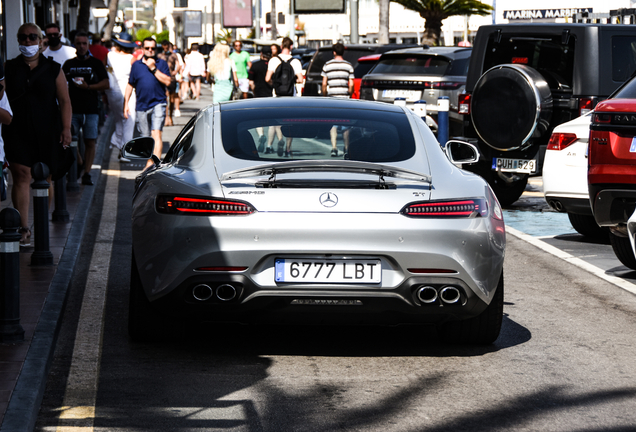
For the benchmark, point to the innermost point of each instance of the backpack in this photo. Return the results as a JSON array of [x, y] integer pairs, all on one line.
[[284, 78]]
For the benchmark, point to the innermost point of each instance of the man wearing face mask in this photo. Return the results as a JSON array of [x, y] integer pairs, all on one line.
[[57, 50], [86, 77], [149, 77]]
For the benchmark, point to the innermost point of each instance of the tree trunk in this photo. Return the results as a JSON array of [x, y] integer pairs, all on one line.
[[432, 31], [273, 19], [112, 16], [83, 15], [383, 28]]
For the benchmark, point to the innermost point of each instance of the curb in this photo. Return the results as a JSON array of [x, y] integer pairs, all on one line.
[[26, 398]]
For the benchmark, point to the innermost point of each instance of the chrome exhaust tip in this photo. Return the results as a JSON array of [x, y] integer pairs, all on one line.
[[450, 295], [225, 292], [202, 292], [427, 294], [557, 205]]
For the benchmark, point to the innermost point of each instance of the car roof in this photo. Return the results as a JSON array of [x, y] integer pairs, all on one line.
[[453, 52], [308, 102]]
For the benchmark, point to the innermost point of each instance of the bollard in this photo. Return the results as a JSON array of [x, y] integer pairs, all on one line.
[[72, 185], [399, 101], [60, 214], [419, 108], [10, 328], [42, 255], [443, 106]]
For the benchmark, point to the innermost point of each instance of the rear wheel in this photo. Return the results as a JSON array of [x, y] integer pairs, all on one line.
[[586, 225], [484, 328], [623, 250]]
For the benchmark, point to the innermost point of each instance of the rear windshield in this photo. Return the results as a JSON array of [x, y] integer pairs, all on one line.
[[627, 91], [363, 68], [413, 65], [351, 55], [547, 54], [623, 57], [361, 135]]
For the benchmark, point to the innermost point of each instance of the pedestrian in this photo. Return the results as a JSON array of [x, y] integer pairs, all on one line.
[[196, 69], [184, 91], [275, 49], [173, 64], [97, 50], [242, 63], [221, 69], [86, 77], [283, 72], [57, 50], [41, 127], [149, 77], [6, 115], [261, 88], [337, 81]]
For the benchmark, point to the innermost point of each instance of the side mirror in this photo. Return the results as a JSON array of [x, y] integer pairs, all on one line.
[[141, 148], [460, 152]]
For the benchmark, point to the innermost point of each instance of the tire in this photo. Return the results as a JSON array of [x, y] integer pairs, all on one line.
[[511, 104], [587, 226], [483, 329], [507, 193], [623, 250]]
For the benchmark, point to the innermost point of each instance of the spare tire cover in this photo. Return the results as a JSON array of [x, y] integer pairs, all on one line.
[[510, 104]]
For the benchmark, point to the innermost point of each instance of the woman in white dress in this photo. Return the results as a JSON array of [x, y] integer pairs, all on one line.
[[119, 62], [221, 68]]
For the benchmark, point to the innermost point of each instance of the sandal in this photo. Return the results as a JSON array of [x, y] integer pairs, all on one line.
[[25, 240]]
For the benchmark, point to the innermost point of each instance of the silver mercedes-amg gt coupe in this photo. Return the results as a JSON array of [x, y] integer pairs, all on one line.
[[315, 210]]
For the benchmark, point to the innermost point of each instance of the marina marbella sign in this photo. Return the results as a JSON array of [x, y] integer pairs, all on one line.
[[543, 13]]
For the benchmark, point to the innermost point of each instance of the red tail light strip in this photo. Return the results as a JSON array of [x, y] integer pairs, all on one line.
[[559, 141], [463, 208], [430, 270], [211, 206]]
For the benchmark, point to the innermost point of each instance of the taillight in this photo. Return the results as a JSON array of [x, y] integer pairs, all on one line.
[[559, 141], [464, 103], [602, 118], [447, 209], [446, 85], [170, 204], [586, 105], [367, 83]]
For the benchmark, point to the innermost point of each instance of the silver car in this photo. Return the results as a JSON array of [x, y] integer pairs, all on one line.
[[318, 210]]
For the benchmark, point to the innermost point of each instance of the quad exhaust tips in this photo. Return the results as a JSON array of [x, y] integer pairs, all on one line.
[[203, 292], [448, 294], [427, 294]]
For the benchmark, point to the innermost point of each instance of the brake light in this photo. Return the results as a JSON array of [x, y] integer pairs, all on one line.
[[448, 209], [520, 60], [446, 85], [559, 141], [602, 118], [464, 103], [168, 204], [585, 105], [367, 83]]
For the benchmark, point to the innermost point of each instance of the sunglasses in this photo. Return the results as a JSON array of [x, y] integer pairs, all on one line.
[[32, 37], [150, 48], [53, 35]]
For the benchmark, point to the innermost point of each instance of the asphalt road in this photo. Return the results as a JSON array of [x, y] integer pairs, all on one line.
[[565, 360]]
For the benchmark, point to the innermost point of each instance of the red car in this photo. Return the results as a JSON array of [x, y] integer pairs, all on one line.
[[612, 167], [365, 64]]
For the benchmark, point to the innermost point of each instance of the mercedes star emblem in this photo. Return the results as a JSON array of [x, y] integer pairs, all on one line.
[[328, 199]]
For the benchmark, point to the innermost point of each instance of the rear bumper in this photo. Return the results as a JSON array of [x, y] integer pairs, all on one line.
[[612, 204]]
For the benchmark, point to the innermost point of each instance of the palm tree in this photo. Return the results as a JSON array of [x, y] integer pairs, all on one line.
[[383, 29], [436, 11]]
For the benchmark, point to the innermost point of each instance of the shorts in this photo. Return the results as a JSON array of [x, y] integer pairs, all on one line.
[[194, 78], [157, 116], [244, 84], [172, 88], [88, 123]]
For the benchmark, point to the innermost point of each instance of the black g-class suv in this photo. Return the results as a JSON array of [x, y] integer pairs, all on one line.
[[525, 79]]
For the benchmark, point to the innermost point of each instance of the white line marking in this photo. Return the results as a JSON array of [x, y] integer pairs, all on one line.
[[621, 283], [78, 409]]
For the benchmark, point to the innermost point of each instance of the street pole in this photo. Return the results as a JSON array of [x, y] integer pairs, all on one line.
[[257, 20], [292, 22], [354, 22]]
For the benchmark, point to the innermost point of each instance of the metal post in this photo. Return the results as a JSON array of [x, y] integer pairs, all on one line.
[[72, 185], [42, 255], [354, 22], [257, 19], [60, 214], [10, 328], [443, 106]]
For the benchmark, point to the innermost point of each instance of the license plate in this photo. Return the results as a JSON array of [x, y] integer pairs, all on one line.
[[342, 271], [515, 165], [410, 95]]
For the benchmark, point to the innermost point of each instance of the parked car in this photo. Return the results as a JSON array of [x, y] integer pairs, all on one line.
[[313, 79], [421, 73], [365, 64], [390, 233], [525, 79], [565, 175], [612, 168]]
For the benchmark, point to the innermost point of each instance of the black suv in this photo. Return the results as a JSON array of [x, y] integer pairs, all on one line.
[[525, 79], [313, 79]]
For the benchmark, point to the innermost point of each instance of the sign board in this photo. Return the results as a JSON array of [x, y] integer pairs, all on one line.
[[237, 13], [192, 21], [532, 14], [181, 3], [319, 7]]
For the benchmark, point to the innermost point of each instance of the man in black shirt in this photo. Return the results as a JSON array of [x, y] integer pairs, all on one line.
[[260, 87], [86, 77]]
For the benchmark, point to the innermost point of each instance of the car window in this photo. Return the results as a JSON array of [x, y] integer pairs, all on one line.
[[547, 54], [627, 91], [409, 64], [363, 68], [623, 57], [362, 135], [181, 144]]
